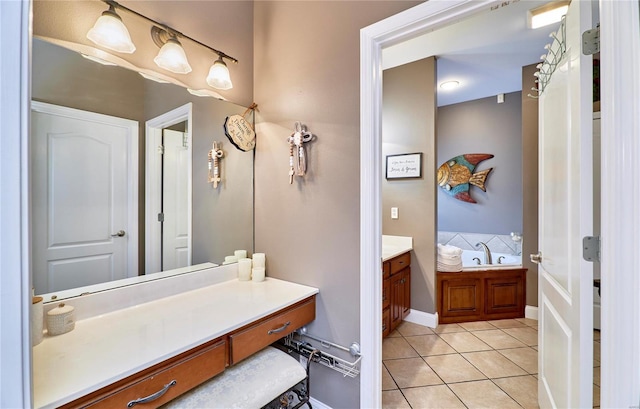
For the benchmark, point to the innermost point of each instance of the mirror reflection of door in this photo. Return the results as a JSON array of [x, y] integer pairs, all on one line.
[[175, 226], [168, 193], [80, 197]]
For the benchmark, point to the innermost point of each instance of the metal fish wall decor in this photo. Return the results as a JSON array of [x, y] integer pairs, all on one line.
[[456, 176]]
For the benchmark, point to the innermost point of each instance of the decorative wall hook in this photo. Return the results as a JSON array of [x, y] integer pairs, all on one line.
[[298, 162], [550, 61], [215, 155]]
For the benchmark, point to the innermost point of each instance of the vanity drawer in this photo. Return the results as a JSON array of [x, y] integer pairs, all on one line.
[[253, 338], [188, 370], [400, 262]]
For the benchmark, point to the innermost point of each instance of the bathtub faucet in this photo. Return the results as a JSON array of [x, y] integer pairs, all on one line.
[[487, 253]]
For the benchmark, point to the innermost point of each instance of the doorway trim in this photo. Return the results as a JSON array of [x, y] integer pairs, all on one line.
[[620, 89], [153, 185]]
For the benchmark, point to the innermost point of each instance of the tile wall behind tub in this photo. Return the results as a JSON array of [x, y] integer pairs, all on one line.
[[497, 243]]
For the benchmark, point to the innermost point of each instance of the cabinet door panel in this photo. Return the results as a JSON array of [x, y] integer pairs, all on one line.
[[386, 293], [406, 283], [504, 295]]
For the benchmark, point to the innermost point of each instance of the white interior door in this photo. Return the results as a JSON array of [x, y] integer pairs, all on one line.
[[175, 203], [566, 216], [80, 197]]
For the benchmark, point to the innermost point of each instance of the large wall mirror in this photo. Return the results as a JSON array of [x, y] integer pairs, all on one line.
[[90, 157]]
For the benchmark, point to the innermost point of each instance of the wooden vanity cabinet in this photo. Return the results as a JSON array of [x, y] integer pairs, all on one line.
[[199, 364], [396, 291], [481, 295]]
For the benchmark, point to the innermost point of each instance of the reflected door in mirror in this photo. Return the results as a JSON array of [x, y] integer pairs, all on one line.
[[80, 197], [175, 200]]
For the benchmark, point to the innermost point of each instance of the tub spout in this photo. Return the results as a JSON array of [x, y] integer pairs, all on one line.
[[487, 253]]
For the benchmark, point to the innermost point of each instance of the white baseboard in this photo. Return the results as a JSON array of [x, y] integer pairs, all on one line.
[[531, 312], [317, 404], [423, 318]]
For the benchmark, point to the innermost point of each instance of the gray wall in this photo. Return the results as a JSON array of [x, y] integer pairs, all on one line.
[[484, 126], [307, 68], [530, 182], [409, 94]]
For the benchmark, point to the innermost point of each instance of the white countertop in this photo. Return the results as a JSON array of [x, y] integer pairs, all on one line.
[[393, 246], [106, 348]]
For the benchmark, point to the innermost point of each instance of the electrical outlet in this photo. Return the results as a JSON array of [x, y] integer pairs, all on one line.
[[394, 212]]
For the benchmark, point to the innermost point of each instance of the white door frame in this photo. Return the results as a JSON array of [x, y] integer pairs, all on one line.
[[620, 44], [153, 185], [620, 203], [15, 282]]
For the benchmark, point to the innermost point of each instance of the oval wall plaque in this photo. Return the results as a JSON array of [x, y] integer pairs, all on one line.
[[240, 132]]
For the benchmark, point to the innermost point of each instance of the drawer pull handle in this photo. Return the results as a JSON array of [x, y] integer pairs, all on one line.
[[153, 397], [282, 328]]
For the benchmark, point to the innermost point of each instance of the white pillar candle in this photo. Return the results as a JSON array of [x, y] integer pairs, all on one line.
[[37, 320], [230, 259], [258, 260], [244, 269], [240, 254], [257, 274]]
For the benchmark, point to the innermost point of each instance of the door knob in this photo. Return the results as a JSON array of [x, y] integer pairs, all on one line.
[[536, 258], [120, 233]]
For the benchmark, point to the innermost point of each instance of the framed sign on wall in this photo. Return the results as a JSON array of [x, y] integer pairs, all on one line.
[[407, 165]]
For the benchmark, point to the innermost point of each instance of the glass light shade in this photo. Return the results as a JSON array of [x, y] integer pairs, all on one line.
[[110, 32], [171, 57], [219, 75]]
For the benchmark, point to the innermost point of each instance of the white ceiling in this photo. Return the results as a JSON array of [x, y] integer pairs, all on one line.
[[485, 52]]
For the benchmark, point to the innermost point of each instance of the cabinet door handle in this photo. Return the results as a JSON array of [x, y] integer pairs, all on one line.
[[152, 397], [282, 328]]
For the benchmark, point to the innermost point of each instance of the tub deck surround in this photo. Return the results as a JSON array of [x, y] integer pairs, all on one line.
[[106, 348], [393, 246]]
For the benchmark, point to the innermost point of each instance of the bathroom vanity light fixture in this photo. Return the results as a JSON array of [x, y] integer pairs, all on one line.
[[547, 14], [219, 75], [449, 85], [171, 57], [110, 32]]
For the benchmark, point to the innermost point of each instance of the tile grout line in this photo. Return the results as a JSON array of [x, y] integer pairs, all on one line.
[[460, 353]]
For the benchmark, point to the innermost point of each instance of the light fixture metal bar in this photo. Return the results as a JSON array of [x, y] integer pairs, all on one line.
[[170, 29]]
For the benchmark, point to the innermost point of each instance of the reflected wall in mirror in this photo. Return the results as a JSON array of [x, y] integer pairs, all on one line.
[[69, 194]]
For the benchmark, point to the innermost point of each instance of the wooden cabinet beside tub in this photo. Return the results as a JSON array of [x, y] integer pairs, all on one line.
[[175, 376], [396, 291], [481, 295]]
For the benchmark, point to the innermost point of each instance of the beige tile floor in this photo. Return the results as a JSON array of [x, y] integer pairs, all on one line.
[[486, 364]]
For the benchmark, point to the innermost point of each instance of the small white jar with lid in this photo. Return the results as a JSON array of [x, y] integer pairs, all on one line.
[[61, 319]]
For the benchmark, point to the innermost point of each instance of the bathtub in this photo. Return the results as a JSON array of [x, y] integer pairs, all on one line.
[[509, 260]]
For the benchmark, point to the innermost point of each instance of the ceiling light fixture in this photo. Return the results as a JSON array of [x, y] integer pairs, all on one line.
[[219, 75], [171, 56], [110, 32], [449, 85], [547, 14]]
